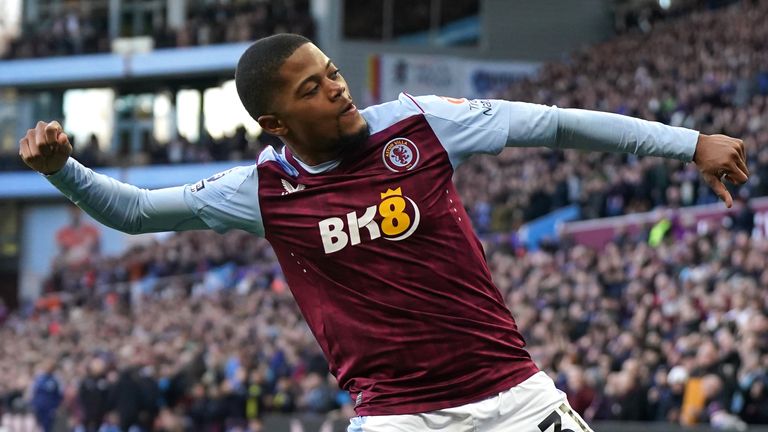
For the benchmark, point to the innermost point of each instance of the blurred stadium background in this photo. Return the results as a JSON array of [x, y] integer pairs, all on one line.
[[643, 297]]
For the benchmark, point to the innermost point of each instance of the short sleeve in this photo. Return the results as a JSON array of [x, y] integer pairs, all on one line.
[[228, 200]]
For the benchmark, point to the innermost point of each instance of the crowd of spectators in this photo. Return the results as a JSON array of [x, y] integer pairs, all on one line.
[[179, 150], [80, 31], [72, 32], [223, 22], [715, 81], [221, 344], [673, 332], [629, 15], [204, 327], [198, 331]]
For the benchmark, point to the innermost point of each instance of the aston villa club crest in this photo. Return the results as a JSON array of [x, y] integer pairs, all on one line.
[[400, 155]]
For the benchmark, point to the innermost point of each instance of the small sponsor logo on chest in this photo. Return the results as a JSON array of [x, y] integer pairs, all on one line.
[[289, 188]]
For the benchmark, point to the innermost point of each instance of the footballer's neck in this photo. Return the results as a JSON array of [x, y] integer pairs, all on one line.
[[313, 157]]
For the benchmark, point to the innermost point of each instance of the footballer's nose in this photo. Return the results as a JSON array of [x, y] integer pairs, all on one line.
[[337, 90]]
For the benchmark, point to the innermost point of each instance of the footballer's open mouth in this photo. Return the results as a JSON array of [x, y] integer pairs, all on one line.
[[349, 109]]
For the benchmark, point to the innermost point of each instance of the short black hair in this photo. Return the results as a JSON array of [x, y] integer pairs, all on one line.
[[256, 76]]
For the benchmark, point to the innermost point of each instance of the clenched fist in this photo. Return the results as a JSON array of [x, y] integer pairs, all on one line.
[[45, 148], [720, 158]]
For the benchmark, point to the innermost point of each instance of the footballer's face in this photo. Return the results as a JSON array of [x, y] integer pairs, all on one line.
[[313, 110]]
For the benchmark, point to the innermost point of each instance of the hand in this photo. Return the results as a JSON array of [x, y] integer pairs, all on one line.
[[45, 148], [720, 157]]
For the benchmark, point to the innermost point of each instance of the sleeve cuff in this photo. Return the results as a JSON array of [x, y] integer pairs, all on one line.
[[688, 139], [61, 176]]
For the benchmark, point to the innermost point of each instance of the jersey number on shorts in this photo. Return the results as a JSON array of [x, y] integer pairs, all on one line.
[[553, 419]]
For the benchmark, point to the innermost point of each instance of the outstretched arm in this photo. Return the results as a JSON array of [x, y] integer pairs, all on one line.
[[718, 157], [124, 207], [467, 127]]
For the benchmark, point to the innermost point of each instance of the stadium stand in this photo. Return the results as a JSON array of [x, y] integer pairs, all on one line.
[[731, 98], [71, 31], [634, 332], [670, 331], [675, 75], [234, 347]]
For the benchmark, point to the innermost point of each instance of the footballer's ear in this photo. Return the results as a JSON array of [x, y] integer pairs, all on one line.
[[272, 125]]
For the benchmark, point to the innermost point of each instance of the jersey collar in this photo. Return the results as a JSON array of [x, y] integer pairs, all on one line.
[[308, 169]]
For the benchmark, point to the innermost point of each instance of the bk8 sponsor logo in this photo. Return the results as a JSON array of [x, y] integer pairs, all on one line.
[[396, 222]]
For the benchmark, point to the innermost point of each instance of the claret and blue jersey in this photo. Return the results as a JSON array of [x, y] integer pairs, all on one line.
[[381, 257], [377, 248]]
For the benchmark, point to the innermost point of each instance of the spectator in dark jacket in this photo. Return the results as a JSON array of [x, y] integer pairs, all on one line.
[[46, 396], [93, 395], [135, 397]]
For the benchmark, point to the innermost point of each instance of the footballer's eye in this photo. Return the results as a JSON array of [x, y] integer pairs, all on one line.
[[312, 91]]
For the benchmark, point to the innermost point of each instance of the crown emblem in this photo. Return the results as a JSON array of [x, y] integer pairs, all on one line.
[[390, 192]]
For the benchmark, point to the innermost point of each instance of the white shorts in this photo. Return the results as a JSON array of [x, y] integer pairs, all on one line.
[[535, 405]]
